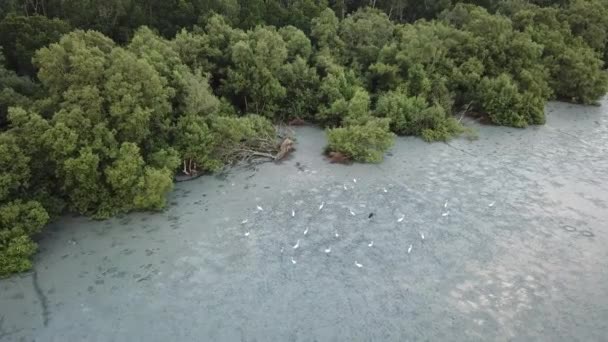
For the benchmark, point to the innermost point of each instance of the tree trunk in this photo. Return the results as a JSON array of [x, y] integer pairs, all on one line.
[[185, 171]]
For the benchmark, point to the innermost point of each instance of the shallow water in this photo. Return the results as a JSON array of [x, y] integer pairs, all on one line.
[[517, 253]]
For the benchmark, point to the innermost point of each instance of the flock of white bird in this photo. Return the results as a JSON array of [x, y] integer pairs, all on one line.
[[337, 235]]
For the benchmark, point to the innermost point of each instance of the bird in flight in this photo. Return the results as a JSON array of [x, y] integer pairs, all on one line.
[[491, 204], [446, 213], [385, 190], [328, 250], [370, 244], [306, 231], [322, 205], [247, 233], [445, 205], [260, 208], [352, 212], [401, 218], [293, 261], [244, 221], [422, 235], [409, 249], [297, 244], [358, 264]]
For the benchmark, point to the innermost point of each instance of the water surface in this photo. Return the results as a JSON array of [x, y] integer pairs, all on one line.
[[518, 252]]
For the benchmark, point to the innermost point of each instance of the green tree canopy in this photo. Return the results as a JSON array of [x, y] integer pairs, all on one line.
[[21, 36]]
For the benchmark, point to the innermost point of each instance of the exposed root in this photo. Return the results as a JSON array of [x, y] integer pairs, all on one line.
[[296, 122], [338, 158]]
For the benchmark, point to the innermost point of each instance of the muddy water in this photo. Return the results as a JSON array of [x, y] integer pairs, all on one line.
[[515, 228]]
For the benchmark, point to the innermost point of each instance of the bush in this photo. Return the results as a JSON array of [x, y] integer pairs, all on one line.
[[439, 125], [18, 222], [578, 75], [413, 116], [506, 105], [363, 143]]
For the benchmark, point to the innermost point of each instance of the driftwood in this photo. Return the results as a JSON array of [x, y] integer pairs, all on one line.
[[258, 150], [465, 111], [285, 148]]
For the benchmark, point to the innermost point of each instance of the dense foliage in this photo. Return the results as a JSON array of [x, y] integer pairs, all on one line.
[[103, 102]]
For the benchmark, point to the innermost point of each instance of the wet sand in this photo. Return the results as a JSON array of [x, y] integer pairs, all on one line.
[[517, 253]]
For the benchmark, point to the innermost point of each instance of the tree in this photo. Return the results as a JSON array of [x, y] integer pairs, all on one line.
[[588, 19], [19, 220], [325, 31], [364, 33], [14, 167], [578, 75], [21, 36], [14, 91], [575, 70], [296, 42], [507, 105], [337, 90], [252, 76], [196, 144], [112, 111], [301, 83]]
